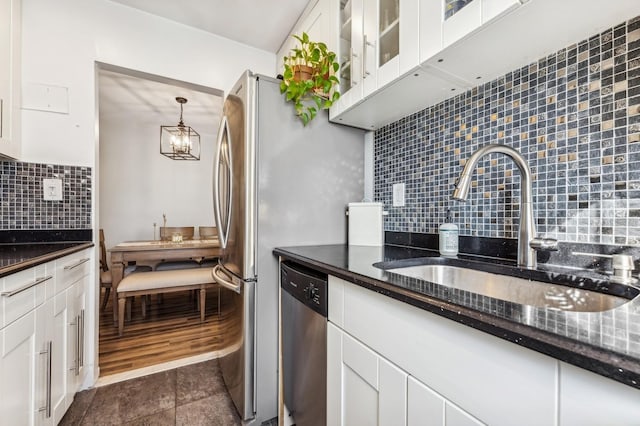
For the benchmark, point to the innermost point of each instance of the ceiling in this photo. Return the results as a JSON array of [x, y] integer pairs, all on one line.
[[145, 99], [259, 23], [138, 96]]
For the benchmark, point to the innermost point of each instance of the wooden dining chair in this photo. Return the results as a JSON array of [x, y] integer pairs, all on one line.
[[207, 232], [106, 279], [166, 232]]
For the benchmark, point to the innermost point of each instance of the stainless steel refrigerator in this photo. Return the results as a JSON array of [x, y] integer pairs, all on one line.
[[276, 183]]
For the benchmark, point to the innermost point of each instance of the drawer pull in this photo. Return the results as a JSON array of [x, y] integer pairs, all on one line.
[[25, 287], [48, 353], [75, 265]]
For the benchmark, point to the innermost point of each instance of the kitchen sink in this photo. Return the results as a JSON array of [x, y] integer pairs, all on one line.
[[519, 290]]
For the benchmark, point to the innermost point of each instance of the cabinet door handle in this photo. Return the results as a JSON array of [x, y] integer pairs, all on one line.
[[75, 265], [82, 338], [364, 57], [353, 62], [77, 366], [76, 360], [47, 406], [25, 287], [366, 43]]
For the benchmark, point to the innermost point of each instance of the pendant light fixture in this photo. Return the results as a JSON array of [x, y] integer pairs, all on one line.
[[180, 142]]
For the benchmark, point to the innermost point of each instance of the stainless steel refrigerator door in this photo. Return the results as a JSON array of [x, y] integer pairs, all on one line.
[[238, 365], [234, 193]]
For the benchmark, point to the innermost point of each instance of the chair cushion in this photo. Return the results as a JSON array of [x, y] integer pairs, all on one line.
[[183, 264], [165, 279], [208, 263]]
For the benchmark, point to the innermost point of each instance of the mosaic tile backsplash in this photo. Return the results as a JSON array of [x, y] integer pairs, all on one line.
[[574, 116], [21, 197]]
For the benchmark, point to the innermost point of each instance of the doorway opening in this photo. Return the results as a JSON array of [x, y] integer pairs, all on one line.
[[140, 190]]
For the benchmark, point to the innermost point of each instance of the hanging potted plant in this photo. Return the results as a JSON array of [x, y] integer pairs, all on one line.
[[310, 77]]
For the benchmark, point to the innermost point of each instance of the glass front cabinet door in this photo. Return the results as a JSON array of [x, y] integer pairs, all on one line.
[[379, 41]]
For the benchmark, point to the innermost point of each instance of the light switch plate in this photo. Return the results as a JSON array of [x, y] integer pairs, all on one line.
[[52, 189], [398, 195]]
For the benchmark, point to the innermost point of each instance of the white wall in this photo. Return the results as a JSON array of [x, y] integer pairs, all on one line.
[[137, 183], [62, 39]]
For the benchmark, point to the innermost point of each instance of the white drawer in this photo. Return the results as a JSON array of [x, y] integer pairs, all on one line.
[[70, 269], [22, 292]]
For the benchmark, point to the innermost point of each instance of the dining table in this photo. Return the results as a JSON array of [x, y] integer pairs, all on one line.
[[154, 251]]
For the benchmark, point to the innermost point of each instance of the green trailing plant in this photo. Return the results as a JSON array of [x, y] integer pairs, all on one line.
[[309, 78]]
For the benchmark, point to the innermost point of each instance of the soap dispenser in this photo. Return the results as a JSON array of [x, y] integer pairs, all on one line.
[[448, 237]]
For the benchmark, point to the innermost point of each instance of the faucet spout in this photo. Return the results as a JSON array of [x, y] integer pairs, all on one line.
[[527, 229]]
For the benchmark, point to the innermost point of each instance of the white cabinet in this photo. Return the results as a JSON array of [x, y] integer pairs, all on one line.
[[588, 399], [42, 343], [10, 30], [440, 58], [378, 43], [317, 21], [362, 388], [398, 47], [60, 335], [25, 354], [76, 344], [454, 375], [469, 369], [72, 282], [426, 407], [18, 371], [350, 55], [471, 17]]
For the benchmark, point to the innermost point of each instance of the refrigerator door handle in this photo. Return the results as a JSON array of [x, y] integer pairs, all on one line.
[[223, 154], [226, 281]]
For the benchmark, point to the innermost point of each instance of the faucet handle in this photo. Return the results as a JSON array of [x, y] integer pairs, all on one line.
[[622, 265], [544, 244]]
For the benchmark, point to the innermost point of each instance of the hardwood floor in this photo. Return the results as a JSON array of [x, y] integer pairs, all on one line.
[[171, 330]]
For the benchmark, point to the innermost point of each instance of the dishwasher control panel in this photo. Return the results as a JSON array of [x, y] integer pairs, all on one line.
[[306, 285]]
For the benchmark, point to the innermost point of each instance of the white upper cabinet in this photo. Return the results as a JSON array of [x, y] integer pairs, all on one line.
[[350, 55], [317, 21], [434, 54], [471, 17], [378, 42], [398, 43], [10, 30]]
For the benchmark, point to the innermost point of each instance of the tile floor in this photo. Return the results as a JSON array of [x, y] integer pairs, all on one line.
[[193, 395]]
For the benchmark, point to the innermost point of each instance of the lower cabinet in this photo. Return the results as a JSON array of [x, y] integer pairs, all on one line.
[[364, 388], [76, 338], [42, 351], [389, 363], [59, 356], [426, 407], [18, 370], [25, 367]]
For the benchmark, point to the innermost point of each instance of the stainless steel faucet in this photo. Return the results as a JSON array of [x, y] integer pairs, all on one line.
[[528, 243]]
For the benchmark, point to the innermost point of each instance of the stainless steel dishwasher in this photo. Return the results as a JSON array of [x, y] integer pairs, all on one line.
[[304, 344]]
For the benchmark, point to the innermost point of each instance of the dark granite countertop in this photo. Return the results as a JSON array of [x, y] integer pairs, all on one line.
[[17, 257], [23, 249], [607, 343]]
